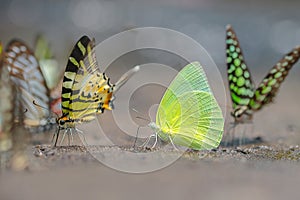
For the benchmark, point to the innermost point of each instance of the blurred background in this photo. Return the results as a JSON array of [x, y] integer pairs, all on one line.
[[266, 30]]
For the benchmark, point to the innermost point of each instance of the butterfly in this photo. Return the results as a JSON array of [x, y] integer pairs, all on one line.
[[86, 91], [6, 107], [188, 114], [26, 75], [247, 99]]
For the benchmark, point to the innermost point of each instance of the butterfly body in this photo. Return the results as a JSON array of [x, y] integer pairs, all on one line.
[[188, 114], [245, 97]]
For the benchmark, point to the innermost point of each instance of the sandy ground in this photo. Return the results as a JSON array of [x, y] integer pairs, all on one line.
[[248, 172]]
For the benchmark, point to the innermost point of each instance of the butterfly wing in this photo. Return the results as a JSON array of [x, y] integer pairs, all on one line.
[[268, 88], [25, 73], [191, 77], [6, 107], [240, 83], [188, 112], [85, 91]]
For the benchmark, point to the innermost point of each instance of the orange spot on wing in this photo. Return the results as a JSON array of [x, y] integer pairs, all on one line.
[[106, 101]]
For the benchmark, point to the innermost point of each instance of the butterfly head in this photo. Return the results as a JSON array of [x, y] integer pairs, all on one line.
[[154, 127], [64, 122], [242, 113]]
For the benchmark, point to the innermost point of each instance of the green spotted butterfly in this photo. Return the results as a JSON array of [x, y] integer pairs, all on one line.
[[188, 114], [245, 98]]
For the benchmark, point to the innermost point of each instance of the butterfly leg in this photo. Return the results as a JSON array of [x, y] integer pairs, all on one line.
[[155, 142], [53, 137], [69, 137], [147, 141], [62, 139], [57, 135], [173, 143], [80, 132], [72, 138]]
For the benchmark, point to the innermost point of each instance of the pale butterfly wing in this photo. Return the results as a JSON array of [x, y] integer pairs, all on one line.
[[6, 106], [188, 113], [26, 75], [191, 77]]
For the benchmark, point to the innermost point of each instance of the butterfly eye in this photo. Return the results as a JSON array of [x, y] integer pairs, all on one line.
[[62, 122]]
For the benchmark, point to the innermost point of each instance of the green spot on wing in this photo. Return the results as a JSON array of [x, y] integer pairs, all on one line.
[[229, 41], [240, 81], [239, 100], [241, 91], [234, 55], [234, 79], [231, 69], [272, 82], [238, 72], [229, 59], [237, 62], [246, 75], [266, 89], [232, 48], [277, 75]]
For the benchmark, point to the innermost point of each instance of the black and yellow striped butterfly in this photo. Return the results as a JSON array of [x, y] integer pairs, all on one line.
[[85, 91], [245, 98], [26, 75]]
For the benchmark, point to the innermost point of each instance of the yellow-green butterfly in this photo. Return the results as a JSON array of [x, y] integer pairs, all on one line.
[[188, 114]]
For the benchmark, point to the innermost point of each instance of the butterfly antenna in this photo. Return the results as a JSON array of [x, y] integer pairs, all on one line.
[[125, 77], [138, 117], [34, 103]]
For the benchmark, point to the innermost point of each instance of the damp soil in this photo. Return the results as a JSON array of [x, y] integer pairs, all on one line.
[[259, 170]]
